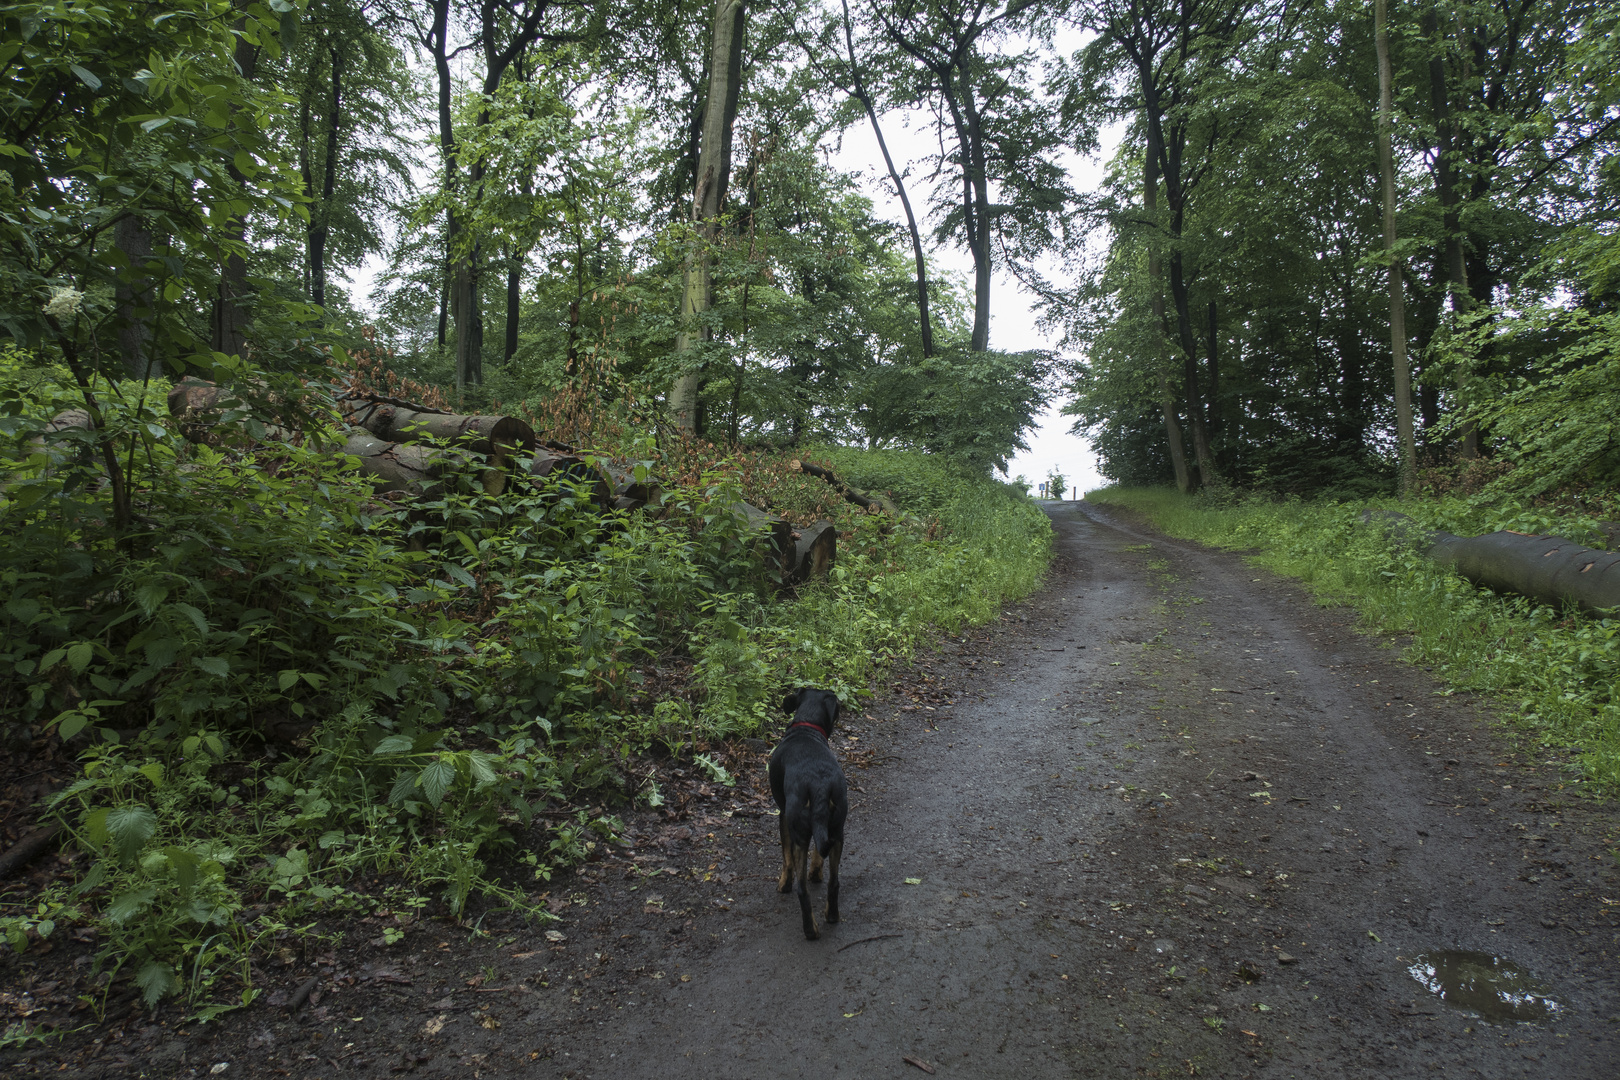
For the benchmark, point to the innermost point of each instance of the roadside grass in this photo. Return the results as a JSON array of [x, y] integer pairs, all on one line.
[[1558, 671]]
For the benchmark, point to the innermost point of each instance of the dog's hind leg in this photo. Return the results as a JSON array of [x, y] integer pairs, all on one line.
[[802, 857], [832, 880], [785, 882]]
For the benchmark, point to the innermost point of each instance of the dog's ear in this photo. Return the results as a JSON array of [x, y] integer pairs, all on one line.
[[833, 709], [790, 704]]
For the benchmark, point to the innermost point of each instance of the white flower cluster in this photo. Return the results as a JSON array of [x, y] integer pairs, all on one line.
[[64, 301]]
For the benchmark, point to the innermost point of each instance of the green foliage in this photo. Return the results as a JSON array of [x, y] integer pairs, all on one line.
[[128, 116], [446, 668], [1560, 675]]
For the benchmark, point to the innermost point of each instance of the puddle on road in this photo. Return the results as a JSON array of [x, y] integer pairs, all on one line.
[[1488, 986]]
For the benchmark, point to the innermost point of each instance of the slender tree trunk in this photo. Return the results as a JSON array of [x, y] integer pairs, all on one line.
[[1445, 178], [1214, 367], [924, 323], [714, 172], [320, 220], [229, 321], [1172, 432], [514, 299], [1207, 472], [1352, 373], [134, 298], [1167, 397], [1405, 437], [976, 173], [444, 307]]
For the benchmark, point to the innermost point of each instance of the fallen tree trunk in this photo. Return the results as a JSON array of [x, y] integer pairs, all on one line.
[[1546, 568], [29, 848], [497, 437], [200, 407], [871, 503], [632, 494], [814, 551], [415, 469], [552, 465], [781, 559]]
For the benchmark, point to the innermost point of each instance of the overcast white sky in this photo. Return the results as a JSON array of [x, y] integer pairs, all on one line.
[[1012, 319]]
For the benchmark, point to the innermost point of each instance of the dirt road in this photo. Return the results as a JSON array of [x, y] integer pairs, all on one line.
[[1177, 821]]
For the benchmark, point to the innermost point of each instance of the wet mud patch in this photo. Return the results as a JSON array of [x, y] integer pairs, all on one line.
[[1492, 988]]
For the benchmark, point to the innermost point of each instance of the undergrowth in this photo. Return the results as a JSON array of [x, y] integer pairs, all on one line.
[[293, 699], [1559, 671]]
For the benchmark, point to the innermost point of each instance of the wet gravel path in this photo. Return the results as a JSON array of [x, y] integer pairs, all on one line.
[[1176, 821]]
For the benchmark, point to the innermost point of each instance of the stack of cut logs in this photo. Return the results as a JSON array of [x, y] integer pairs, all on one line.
[[409, 449]]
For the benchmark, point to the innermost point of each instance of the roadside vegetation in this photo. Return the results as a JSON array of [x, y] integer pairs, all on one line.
[[1556, 672], [291, 699]]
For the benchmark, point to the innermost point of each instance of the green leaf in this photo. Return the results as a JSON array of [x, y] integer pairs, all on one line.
[[478, 764], [198, 619], [70, 724], [436, 779], [150, 126], [22, 610], [128, 829], [155, 980], [86, 76], [286, 679], [404, 784], [396, 744], [153, 771], [213, 665], [129, 905], [149, 596], [184, 864], [79, 656]]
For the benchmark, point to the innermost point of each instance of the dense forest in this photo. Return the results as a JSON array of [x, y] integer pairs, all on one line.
[[263, 673], [646, 187]]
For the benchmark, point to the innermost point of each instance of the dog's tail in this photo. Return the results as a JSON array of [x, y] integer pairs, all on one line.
[[820, 812]]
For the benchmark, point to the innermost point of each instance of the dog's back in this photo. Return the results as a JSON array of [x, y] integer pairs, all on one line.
[[812, 797]]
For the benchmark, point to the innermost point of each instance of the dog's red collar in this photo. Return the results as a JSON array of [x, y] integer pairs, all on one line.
[[807, 724]]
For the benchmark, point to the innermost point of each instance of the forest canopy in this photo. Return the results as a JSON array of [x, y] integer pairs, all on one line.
[[542, 182]]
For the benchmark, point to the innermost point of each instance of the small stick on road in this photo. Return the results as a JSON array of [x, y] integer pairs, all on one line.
[[864, 940], [919, 1062]]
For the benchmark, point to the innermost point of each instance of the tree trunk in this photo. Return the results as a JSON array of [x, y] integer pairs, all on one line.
[[1405, 437], [1445, 179], [135, 299], [714, 172], [1167, 397], [514, 298], [1550, 569], [320, 220], [1214, 368], [924, 323], [1352, 370], [444, 307], [229, 321], [976, 192], [1207, 473]]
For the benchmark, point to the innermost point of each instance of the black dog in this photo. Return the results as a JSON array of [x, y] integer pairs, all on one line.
[[813, 798]]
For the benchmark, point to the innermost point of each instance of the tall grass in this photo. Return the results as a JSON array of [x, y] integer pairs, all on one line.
[[1558, 672]]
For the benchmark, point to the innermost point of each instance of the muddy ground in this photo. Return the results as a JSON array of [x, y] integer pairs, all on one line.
[[1167, 818]]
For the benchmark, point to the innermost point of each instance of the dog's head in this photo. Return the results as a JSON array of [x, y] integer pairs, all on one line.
[[811, 706]]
